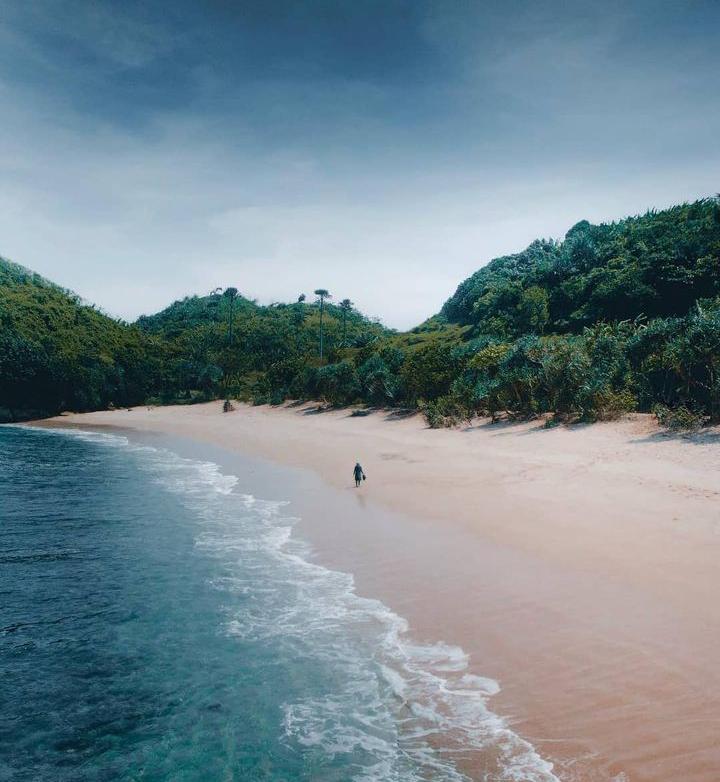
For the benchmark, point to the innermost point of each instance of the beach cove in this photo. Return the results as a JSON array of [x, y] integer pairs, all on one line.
[[575, 566]]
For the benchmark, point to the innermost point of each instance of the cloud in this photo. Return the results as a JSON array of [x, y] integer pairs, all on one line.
[[136, 167], [44, 28]]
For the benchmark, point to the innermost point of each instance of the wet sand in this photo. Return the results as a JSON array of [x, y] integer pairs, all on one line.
[[579, 567]]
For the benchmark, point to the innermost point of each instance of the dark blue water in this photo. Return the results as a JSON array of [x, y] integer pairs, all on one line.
[[156, 624]]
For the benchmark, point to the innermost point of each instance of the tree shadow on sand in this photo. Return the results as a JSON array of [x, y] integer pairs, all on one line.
[[522, 427], [696, 437]]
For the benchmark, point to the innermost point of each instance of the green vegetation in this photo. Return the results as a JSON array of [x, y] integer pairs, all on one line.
[[657, 265], [58, 353], [274, 353], [616, 317]]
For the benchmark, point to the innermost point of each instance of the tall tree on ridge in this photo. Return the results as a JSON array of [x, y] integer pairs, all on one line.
[[322, 294], [298, 317], [231, 294], [345, 305]]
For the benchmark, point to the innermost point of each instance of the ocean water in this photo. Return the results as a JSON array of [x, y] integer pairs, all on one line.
[[158, 624]]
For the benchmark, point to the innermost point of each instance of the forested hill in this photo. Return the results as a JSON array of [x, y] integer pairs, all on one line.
[[655, 265], [616, 317], [57, 352], [227, 344], [12, 274], [194, 311]]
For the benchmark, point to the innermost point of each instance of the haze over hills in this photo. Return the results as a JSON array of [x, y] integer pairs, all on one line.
[[615, 317]]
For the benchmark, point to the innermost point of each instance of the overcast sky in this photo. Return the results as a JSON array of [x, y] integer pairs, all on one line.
[[382, 150]]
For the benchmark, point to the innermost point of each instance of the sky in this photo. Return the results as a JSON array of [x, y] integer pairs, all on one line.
[[382, 150]]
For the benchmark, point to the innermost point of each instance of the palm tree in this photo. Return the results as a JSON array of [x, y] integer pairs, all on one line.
[[346, 306], [231, 294], [322, 294]]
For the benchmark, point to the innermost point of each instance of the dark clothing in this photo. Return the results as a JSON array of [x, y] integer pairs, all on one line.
[[359, 474]]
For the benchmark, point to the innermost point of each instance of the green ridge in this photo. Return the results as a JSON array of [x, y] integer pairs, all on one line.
[[613, 318]]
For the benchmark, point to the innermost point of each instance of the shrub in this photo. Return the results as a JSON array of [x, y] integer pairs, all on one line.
[[445, 412], [610, 405], [277, 396], [379, 384], [429, 372], [338, 383], [679, 418], [518, 378]]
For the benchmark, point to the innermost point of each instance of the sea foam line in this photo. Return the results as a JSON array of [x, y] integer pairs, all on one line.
[[414, 710]]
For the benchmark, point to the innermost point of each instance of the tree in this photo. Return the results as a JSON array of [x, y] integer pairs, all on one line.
[[322, 294], [346, 306], [230, 294], [694, 355], [532, 310]]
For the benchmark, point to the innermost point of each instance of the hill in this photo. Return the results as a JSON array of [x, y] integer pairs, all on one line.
[[615, 317], [656, 265], [235, 347], [14, 274], [58, 353]]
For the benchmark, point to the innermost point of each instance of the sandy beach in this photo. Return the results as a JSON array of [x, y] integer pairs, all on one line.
[[578, 566]]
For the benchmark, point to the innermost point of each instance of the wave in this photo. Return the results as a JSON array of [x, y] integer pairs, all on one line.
[[395, 709]]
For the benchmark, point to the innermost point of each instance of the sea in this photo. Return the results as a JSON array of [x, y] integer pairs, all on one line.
[[158, 622]]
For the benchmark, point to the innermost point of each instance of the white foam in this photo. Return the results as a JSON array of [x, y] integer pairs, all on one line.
[[410, 710], [110, 440]]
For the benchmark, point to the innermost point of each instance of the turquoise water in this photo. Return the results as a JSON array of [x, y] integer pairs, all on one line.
[[158, 624]]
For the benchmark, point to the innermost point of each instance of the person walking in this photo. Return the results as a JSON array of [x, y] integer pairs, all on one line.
[[359, 474]]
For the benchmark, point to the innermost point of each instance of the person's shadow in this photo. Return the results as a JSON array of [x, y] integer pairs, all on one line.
[[360, 497]]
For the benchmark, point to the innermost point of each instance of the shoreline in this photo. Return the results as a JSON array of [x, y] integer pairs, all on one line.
[[575, 566]]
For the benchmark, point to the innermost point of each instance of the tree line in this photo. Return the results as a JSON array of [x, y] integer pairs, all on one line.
[[613, 318]]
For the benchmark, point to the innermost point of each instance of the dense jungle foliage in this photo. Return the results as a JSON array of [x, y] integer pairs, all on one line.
[[224, 344], [616, 317], [57, 353]]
